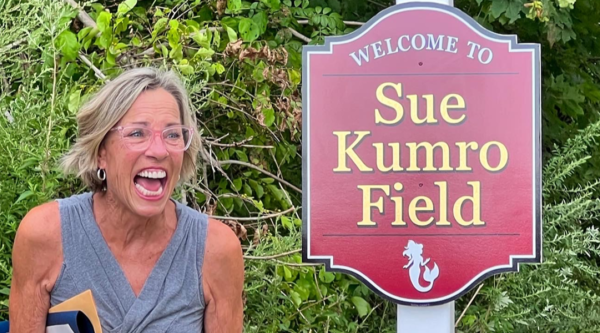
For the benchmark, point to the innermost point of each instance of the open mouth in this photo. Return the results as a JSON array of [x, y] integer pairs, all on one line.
[[151, 183]]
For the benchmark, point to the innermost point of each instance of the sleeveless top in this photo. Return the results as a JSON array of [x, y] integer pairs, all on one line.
[[171, 300]]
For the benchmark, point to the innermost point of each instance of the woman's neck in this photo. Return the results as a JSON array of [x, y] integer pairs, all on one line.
[[121, 227]]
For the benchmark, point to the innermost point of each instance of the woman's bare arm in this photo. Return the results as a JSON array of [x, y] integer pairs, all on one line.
[[223, 280], [37, 259]]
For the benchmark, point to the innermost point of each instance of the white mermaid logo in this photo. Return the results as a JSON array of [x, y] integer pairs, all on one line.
[[414, 252]]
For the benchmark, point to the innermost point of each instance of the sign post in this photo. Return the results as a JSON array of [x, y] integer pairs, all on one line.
[[421, 157]]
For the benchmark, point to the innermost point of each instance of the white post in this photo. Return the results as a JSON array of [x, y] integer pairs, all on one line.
[[426, 319], [430, 319]]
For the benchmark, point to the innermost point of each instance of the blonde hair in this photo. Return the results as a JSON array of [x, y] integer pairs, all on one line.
[[104, 110]]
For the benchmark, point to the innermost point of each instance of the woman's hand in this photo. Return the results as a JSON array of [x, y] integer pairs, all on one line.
[[37, 258], [222, 280]]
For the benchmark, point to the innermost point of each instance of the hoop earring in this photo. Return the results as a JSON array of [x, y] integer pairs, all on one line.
[[101, 174]]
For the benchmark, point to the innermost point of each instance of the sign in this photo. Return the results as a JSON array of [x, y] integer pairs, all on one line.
[[421, 141]]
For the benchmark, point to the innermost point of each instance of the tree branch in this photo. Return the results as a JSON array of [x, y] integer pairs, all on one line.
[[98, 73], [151, 50], [273, 256], [294, 264], [236, 144], [88, 22], [299, 35], [13, 44], [83, 16], [257, 218], [261, 170], [345, 22], [469, 304]]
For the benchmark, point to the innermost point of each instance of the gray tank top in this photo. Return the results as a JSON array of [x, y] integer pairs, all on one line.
[[171, 300]]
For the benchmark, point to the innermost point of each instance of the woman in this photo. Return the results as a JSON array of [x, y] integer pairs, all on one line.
[[153, 265]]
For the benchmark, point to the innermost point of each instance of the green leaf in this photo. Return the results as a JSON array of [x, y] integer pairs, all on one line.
[[287, 273], [192, 25], [173, 35], [204, 53], [258, 189], [498, 8], [87, 43], [296, 298], [277, 193], [247, 190], [566, 3], [286, 223], [260, 192], [514, 11], [261, 21], [274, 5], [159, 26], [257, 73], [177, 52], [219, 68], [294, 76], [136, 41], [120, 46], [361, 305], [97, 7], [237, 184], [103, 21], [201, 39], [234, 5], [269, 117], [268, 180], [326, 277], [74, 101], [326, 10], [126, 6], [248, 30], [186, 69], [68, 45], [323, 289], [241, 155], [110, 58], [83, 33], [302, 290], [24, 196], [105, 39], [231, 34]]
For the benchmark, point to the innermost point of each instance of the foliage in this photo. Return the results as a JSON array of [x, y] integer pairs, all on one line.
[[241, 61]]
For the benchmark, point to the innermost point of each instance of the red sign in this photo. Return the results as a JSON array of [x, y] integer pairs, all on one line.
[[422, 153]]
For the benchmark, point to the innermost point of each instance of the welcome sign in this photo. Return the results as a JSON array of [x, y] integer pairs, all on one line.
[[421, 153]]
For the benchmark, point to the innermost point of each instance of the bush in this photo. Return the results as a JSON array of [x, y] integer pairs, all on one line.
[[241, 62]]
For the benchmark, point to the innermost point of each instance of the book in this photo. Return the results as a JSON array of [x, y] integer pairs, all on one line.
[[75, 315]]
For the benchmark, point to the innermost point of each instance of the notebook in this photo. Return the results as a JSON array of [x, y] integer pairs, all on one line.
[[75, 315]]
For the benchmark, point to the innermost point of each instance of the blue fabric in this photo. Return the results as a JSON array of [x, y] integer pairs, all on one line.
[[77, 320], [171, 299]]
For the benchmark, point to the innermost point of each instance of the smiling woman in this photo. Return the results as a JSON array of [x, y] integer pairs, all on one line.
[[152, 263]]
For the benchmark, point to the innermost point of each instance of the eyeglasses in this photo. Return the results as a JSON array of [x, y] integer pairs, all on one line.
[[176, 138]]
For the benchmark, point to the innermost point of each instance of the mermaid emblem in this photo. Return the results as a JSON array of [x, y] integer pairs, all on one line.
[[414, 252]]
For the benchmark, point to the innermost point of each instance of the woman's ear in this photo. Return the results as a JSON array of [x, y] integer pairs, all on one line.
[[102, 157]]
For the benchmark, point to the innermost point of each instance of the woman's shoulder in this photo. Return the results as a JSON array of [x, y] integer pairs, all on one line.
[[221, 242], [40, 228]]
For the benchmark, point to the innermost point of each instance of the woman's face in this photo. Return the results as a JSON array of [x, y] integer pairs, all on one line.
[[143, 180]]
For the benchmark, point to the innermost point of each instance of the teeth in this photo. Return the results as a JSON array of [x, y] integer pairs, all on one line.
[[148, 192], [153, 174]]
